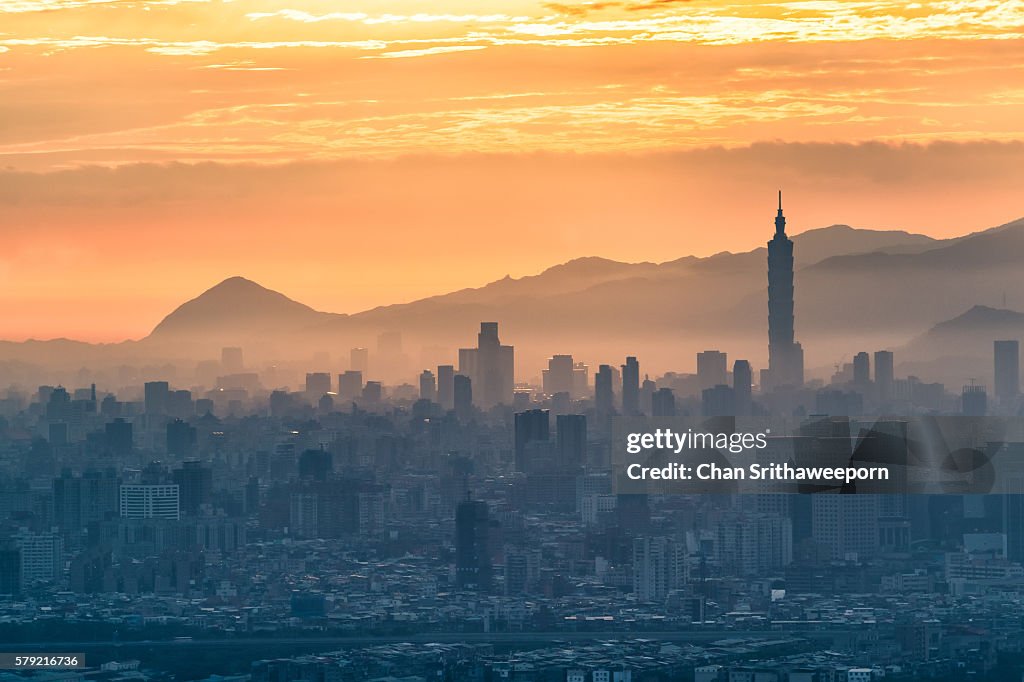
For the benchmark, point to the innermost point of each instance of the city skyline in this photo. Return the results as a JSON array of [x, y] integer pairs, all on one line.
[[64, 327], [400, 149]]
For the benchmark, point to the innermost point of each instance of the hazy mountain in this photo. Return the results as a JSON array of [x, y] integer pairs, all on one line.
[[237, 308], [855, 290], [959, 350], [968, 334]]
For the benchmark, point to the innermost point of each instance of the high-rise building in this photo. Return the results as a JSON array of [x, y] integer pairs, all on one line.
[[41, 556], [316, 465], [530, 426], [742, 386], [663, 403], [462, 396], [490, 366], [604, 394], [659, 566], [446, 386], [785, 356], [10, 569], [119, 436], [317, 384], [350, 385], [472, 545], [156, 393], [580, 380], [647, 390], [359, 360], [195, 486], [150, 502], [1007, 369], [558, 377], [428, 386], [572, 440], [884, 374], [846, 526], [711, 369], [631, 387], [372, 393], [81, 500], [974, 401], [718, 401], [861, 369], [181, 438]]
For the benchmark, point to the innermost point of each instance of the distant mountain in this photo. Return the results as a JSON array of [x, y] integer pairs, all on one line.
[[968, 334], [855, 290], [959, 349], [237, 309]]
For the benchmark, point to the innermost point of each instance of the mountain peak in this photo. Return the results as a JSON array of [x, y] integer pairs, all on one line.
[[236, 308]]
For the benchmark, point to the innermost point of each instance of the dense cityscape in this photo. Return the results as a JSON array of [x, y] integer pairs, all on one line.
[[307, 521]]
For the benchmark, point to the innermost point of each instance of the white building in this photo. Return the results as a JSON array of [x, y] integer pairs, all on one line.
[[150, 502]]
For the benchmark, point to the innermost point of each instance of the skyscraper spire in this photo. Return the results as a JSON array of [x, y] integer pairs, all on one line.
[[780, 220]]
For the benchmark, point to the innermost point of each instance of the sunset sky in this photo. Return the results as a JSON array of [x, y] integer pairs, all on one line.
[[360, 153]]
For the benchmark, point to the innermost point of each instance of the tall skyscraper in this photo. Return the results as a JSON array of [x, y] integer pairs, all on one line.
[[862, 369], [428, 386], [631, 387], [445, 386], [572, 440], [462, 396], [1007, 370], [884, 374], [195, 486], [472, 545], [604, 395], [491, 367], [530, 426], [742, 382], [785, 356]]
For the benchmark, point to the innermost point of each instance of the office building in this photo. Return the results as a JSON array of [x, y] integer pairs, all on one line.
[[150, 502], [428, 386], [446, 386], [195, 486], [558, 377], [711, 369], [631, 387], [472, 545], [491, 368], [530, 426], [571, 434], [1007, 370], [884, 374], [359, 360], [785, 355], [604, 396]]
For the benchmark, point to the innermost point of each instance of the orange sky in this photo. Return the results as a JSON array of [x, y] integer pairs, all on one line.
[[353, 154]]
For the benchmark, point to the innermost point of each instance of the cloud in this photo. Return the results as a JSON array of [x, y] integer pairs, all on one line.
[[580, 10]]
